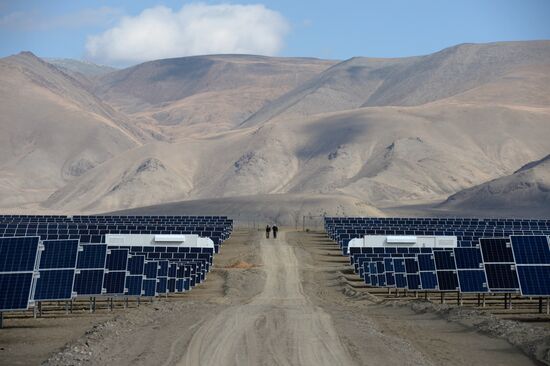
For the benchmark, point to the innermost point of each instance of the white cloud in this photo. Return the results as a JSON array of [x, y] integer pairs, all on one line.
[[195, 29]]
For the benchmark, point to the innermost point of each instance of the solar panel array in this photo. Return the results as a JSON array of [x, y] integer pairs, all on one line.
[[467, 230], [92, 229], [56, 258], [500, 255]]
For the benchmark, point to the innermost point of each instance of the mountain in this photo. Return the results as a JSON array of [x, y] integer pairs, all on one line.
[[71, 66], [527, 189], [204, 94], [224, 130], [363, 82], [51, 130]]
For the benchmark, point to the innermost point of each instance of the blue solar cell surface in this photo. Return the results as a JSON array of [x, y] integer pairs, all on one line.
[[18, 254], [501, 277], [150, 287], [413, 281], [388, 264], [54, 285], [496, 250], [473, 280], [88, 282], [426, 262], [136, 264], [531, 249], [117, 260], [411, 265], [444, 259], [400, 280], [114, 282], [59, 254], [134, 285], [15, 290], [150, 270], [390, 279], [428, 280], [163, 269], [92, 256], [468, 258], [534, 280], [162, 285], [447, 280], [399, 265]]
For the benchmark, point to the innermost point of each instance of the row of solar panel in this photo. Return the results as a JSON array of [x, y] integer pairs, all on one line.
[[444, 220], [65, 226], [115, 219], [516, 264], [31, 270], [342, 234]]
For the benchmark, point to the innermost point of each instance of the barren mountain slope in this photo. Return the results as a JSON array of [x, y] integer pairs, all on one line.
[[204, 94], [88, 69], [375, 155], [378, 155], [529, 187], [406, 81], [51, 130]]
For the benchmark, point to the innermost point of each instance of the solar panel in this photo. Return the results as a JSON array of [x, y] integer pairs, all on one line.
[[90, 266], [444, 260], [400, 280], [57, 270], [428, 280], [162, 285], [18, 260], [88, 282], [54, 285], [472, 281], [531, 250], [411, 265], [15, 291], [399, 265], [468, 258], [136, 264], [534, 280], [92, 256], [134, 285], [18, 254], [117, 259], [426, 262], [413, 281], [447, 280], [501, 277], [496, 250], [114, 282], [532, 256], [150, 270], [149, 287]]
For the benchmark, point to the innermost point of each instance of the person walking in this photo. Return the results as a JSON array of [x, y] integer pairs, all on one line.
[[267, 231], [275, 231]]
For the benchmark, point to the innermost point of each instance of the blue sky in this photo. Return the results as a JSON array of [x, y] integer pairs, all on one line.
[[112, 31]]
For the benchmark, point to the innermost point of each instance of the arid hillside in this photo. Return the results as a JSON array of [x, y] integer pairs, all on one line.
[[364, 133]]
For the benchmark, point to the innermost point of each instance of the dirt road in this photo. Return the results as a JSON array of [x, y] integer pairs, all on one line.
[[280, 326]]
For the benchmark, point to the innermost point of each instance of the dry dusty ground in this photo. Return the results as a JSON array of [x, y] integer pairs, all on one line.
[[288, 301]]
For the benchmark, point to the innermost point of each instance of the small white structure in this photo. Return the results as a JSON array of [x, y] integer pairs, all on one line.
[[187, 240], [428, 241]]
